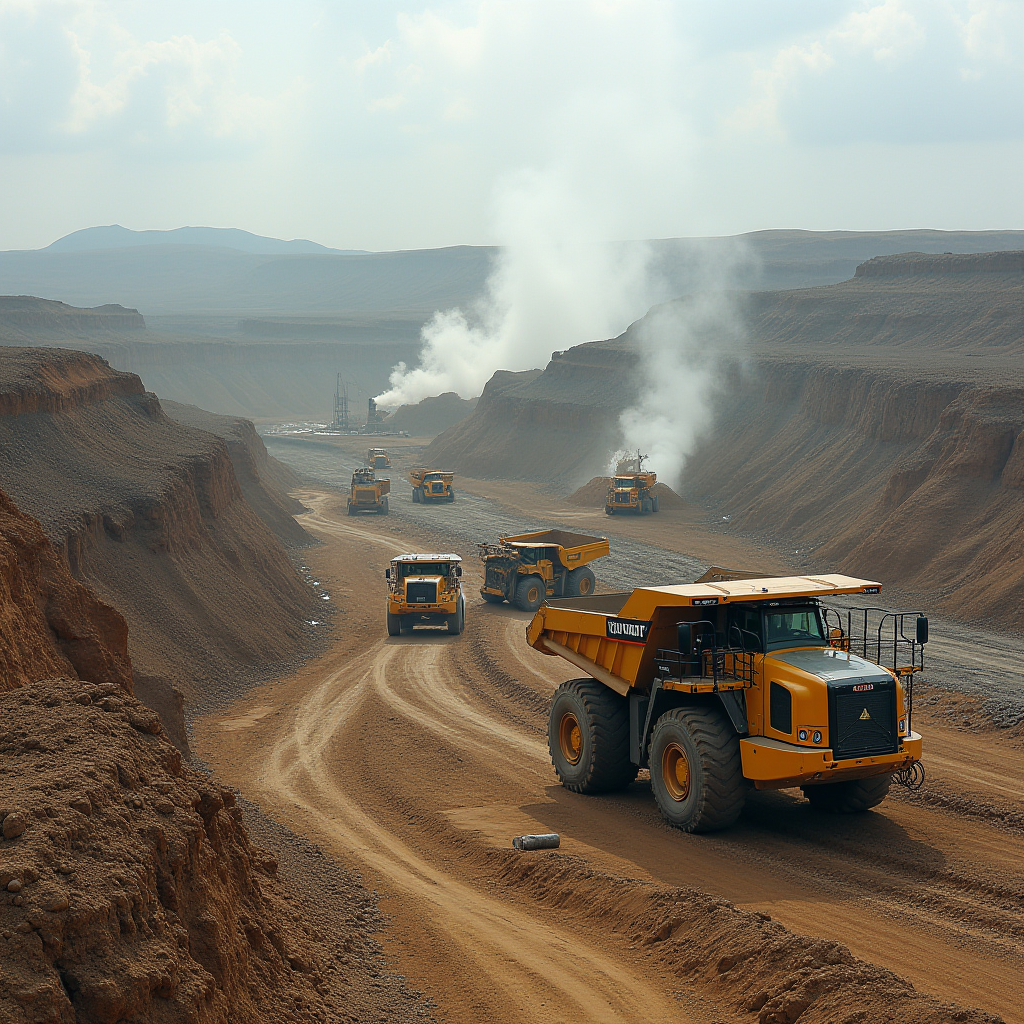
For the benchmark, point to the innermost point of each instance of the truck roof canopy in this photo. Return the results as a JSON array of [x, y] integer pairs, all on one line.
[[762, 588], [420, 557]]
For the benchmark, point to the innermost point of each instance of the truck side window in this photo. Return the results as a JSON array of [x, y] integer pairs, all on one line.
[[745, 629]]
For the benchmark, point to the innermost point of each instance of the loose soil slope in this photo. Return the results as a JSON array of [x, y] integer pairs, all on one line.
[[130, 890], [148, 512], [879, 422], [431, 416]]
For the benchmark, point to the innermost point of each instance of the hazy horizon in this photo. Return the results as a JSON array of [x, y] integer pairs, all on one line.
[[391, 126]]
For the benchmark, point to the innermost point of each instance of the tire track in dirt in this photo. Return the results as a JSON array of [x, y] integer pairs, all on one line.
[[911, 887]]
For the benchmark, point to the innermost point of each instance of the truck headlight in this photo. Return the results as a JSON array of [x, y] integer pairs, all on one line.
[[817, 736], [903, 726], [802, 734]]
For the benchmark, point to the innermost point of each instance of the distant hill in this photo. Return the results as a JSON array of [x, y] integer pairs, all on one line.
[[224, 273], [113, 236]]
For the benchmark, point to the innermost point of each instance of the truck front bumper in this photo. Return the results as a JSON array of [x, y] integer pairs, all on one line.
[[773, 764]]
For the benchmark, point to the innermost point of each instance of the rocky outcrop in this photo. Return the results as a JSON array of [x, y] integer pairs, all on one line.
[[149, 513], [50, 624], [264, 480], [129, 889], [917, 264], [25, 317]]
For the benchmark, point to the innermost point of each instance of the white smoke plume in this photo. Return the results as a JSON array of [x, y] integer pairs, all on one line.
[[686, 350], [557, 282]]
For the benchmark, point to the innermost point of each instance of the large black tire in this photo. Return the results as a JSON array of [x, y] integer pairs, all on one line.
[[492, 598], [581, 582], [850, 797], [530, 593], [609, 511], [588, 737], [457, 622], [451, 496], [351, 510], [655, 504], [646, 506], [384, 509], [696, 774], [415, 495], [407, 624], [394, 624]]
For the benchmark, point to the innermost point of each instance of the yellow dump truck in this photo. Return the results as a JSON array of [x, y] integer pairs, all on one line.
[[431, 485], [425, 590], [632, 488], [525, 568], [367, 493], [378, 458], [734, 683]]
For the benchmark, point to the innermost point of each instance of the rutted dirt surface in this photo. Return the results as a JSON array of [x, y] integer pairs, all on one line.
[[417, 758]]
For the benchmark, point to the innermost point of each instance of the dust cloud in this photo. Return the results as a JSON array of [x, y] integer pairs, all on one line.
[[556, 283], [685, 351]]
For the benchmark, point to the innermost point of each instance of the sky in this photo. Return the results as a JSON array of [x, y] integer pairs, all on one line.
[[379, 125]]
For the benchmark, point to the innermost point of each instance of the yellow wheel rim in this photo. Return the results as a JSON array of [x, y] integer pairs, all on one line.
[[675, 770], [570, 738], [585, 586]]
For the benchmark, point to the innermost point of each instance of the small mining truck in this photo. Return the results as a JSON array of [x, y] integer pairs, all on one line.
[[425, 589], [526, 568], [720, 687], [631, 489], [378, 458], [431, 485], [367, 493]]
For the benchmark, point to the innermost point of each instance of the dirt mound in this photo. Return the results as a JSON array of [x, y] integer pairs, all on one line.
[[264, 480], [50, 624], [150, 514], [433, 415], [742, 957], [130, 888], [594, 493]]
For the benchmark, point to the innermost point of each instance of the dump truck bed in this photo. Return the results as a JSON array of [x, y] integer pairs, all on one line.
[[573, 548], [615, 637]]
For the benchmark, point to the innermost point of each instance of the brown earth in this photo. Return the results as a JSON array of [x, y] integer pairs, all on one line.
[[150, 514], [418, 757], [50, 624], [429, 417], [129, 889]]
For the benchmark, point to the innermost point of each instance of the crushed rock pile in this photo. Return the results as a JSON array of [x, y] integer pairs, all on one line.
[[128, 886]]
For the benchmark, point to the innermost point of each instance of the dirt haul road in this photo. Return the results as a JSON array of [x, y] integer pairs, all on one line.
[[416, 758]]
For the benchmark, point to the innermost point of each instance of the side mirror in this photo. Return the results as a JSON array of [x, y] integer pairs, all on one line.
[[387, 574], [922, 629], [458, 571]]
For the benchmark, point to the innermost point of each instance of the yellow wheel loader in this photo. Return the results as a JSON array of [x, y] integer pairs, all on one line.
[[525, 568], [425, 590], [729, 684]]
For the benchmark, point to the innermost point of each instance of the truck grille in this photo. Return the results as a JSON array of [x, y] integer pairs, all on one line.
[[622, 497], [421, 593], [862, 724], [437, 488]]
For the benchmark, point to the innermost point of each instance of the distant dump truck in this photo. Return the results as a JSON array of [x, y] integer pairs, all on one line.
[[431, 485], [632, 488], [367, 493], [721, 686], [425, 589], [526, 568], [378, 458]]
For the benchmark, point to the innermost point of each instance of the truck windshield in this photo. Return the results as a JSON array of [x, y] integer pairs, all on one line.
[[622, 482], [423, 569], [794, 627]]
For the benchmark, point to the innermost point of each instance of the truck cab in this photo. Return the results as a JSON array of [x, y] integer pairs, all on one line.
[[425, 590], [432, 485]]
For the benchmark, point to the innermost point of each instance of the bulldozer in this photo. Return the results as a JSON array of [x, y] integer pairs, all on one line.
[[367, 493], [425, 590], [732, 683], [632, 488], [378, 458], [525, 568], [431, 485]]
